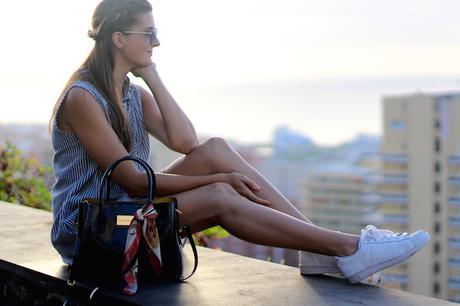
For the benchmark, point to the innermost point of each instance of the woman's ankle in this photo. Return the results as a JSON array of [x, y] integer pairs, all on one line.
[[349, 247]]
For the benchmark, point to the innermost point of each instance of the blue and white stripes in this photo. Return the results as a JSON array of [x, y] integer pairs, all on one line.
[[77, 174]]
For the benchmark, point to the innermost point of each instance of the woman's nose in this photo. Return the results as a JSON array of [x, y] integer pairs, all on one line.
[[156, 42]]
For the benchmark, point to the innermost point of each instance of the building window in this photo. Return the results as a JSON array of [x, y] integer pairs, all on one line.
[[397, 125], [436, 267], [437, 207], [437, 227], [437, 247], [437, 167], [437, 145], [436, 288], [437, 187], [437, 123]]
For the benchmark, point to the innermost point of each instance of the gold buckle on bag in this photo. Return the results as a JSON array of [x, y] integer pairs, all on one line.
[[124, 220]]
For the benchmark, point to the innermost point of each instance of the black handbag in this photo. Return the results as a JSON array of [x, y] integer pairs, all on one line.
[[102, 229]]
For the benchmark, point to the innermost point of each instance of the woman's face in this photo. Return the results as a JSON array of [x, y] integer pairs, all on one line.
[[138, 47]]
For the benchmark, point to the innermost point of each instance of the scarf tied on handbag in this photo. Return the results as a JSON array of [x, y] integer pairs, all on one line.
[[142, 226]]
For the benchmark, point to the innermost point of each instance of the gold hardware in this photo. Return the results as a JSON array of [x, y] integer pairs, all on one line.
[[124, 220], [161, 200]]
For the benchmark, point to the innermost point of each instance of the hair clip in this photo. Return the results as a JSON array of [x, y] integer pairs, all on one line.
[[92, 34]]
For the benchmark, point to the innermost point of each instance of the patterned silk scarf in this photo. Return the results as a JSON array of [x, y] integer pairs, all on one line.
[[142, 226]]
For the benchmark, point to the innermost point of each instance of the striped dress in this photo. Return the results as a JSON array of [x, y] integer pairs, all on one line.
[[77, 174]]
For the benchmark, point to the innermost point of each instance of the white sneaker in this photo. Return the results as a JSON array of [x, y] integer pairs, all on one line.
[[313, 263], [379, 249]]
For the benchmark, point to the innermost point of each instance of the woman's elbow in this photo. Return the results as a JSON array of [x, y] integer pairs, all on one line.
[[186, 148]]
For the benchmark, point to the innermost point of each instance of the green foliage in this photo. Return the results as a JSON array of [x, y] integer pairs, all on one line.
[[23, 180], [215, 232]]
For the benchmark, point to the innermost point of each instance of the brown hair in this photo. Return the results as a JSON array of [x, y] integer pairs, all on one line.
[[109, 16]]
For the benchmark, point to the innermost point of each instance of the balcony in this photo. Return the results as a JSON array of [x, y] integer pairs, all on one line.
[[454, 222], [399, 159], [454, 243], [454, 160], [388, 198], [454, 206]]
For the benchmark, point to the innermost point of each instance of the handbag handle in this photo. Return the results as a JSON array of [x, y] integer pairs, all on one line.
[[188, 233], [108, 172]]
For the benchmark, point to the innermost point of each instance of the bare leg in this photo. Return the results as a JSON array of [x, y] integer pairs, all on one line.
[[220, 204], [216, 156]]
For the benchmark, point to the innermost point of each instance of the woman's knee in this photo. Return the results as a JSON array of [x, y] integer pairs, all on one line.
[[219, 190], [223, 196], [215, 147], [206, 203], [212, 152]]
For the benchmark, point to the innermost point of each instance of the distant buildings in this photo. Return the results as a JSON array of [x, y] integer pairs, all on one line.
[[304, 171], [419, 187], [340, 197], [414, 184]]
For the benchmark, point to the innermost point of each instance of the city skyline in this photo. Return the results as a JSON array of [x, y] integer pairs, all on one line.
[[318, 117]]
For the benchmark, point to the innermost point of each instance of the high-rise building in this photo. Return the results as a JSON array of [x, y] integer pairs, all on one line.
[[420, 187], [337, 190], [339, 197]]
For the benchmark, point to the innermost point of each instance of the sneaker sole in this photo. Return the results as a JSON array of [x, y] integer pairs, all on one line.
[[357, 277], [306, 270]]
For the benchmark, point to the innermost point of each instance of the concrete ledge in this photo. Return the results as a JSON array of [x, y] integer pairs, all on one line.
[[222, 278]]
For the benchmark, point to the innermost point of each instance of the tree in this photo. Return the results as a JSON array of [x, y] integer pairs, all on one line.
[[23, 180]]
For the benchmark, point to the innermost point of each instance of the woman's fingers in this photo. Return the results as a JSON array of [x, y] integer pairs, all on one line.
[[251, 183], [243, 186], [251, 196]]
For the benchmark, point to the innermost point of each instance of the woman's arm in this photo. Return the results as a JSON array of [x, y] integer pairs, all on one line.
[[163, 117], [87, 121], [171, 183], [167, 183]]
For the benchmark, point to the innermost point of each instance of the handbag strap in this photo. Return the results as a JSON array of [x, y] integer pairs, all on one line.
[[81, 223], [108, 173], [186, 228]]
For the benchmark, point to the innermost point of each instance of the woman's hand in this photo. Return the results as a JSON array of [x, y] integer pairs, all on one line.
[[144, 71], [244, 186]]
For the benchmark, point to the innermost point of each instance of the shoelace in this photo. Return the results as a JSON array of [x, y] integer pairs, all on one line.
[[373, 233]]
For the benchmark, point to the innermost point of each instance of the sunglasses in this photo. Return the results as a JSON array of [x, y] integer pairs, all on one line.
[[150, 35]]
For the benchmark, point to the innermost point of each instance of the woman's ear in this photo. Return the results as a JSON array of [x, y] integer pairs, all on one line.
[[118, 40]]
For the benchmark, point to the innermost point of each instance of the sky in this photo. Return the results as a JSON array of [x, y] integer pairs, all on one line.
[[240, 68]]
